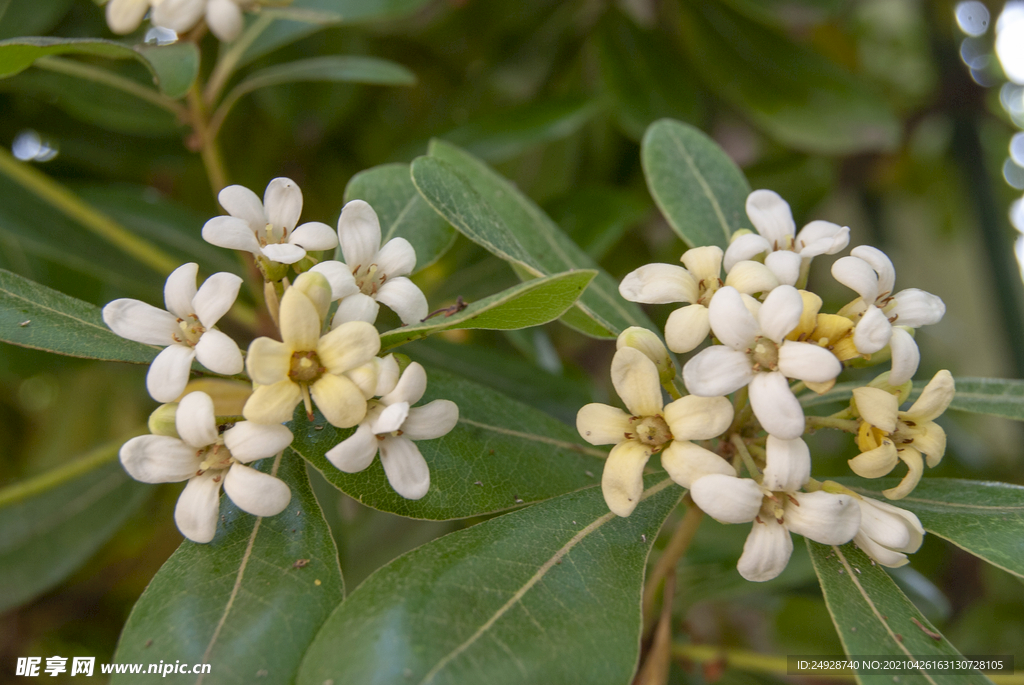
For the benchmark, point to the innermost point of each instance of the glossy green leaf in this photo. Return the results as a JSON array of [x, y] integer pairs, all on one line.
[[597, 217], [986, 519], [700, 190], [501, 454], [549, 594], [403, 213], [249, 602], [797, 96], [874, 617], [492, 212], [50, 525], [32, 315], [528, 304]]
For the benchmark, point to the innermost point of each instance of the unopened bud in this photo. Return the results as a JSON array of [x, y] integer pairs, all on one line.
[[228, 396], [317, 288], [650, 344], [161, 421]]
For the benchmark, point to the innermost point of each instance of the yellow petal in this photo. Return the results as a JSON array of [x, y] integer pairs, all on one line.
[[934, 399], [600, 424], [349, 345], [300, 323], [808, 320], [915, 467], [875, 463], [273, 403], [877, 407], [623, 480], [339, 399], [268, 361]]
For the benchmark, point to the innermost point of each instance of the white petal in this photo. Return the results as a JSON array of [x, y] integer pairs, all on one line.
[[357, 307], [635, 378], [698, 418], [752, 277], [822, 237], [600, 424], [872, 332], [622, 482], [771, 216], [405, 467], [882, 555], [232, 233], [313, 236], [387, 375], [168, 374], [198, 506], [730, 319], [743, 248], [431, 421], [411, 386], [367, 377], [225, 19], [195, 420], [215, 297], [824, 517], [717, 370], [219, 353], [726, 498], [124, 16], [359, 234], [242, 203], [349, 345], [356, 452], [934, 399], [881, 264], [250, 441], [916, 308], [875, 463], [883, 521], [300, 321], [905, 356], [282, 201], [877, 407], [179, 15], [283, 253], [659, 284], [788, 465], [257, 493], [807, 362], [179, 290], [687, 327], [781, 312], [141, 322], [703, 263], [775, 406], [158, 459], [857, 275], [339, 276], [766, 551], [686, 462], [396, 258], [404, 298], [785, 265], [391, 419], [339, 400]]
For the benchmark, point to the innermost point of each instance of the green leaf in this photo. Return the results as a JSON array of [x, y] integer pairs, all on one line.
[[874, 617], [250, 602], [986, 519], [50, 525], [550, 594], [403, 213], [501, 454], [330, 68], [491, 211], [32, 315], [174, 67], [528, 304], [29, 18], [597, 217], [700, 191], [798, 97]]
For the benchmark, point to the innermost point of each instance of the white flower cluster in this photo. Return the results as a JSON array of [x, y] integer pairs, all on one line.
[[224, 17], [770, 340], [329, 362]]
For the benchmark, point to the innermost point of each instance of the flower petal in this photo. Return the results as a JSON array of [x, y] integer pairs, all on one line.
[[771, 216], [916, 308], [404, 298], [356, 452], [875, 463], [219, 353], [635, 378], [141, 322], [411, 386], [877, 407], [283, 253], [339, 400], [405, 467], [781, 312], [873, 331], [232, 233], [857, 275], [396, 258], [198, 506], [273, 403], [179, 290], [359, 234], [824, 517], [391, 419], [808, 362], [600, 424], [158, 459], [788, 465], [915, 468], [268, 361], [659, 284], [890, 526], [168, 374], [934, 399], [717, 370], [387, 375], [349, 345], [124, 16], [686, 462], [930, 440], [215, 297], [224, 17], [785, 265], [698, 418], [195, 420], [726, 498], [283, 203], [766, 551], [431, 421], [366, 377], [882, 555], [257, 493], [730, 319], [623, 480], [743, 248], [178, 15], [752, 277], [300, 322], [703, 263], [822, 237], [339, 276], [242, 203], [250, 441], [357, 307], [687, 327], [881, 264], [775, 406], [905, 356], [314, 236]]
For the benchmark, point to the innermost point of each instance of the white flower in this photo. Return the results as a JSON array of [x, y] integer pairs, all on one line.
[[267, 228], [756, 352], [186, 329], [224, 17], [124, 16], [391, 425], [887, 533], [777, 509], [786, 250], [650, 427], [307, 366], [870, 273], [379, 272], [887, 435], [208, 458], [687, 327]]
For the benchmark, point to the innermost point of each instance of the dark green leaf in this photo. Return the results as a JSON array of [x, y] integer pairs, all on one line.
[[330, 68], [797, 96], [700, 190], [492, 212], [50, 525], [402, 211], [500, 455], [30, 18], [250, 602], [32, 315], [874, 617], [528, 304], [550, 594], [597, 217]]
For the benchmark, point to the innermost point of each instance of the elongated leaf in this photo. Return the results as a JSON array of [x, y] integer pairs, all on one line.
[[874, 617], [52, 524], [330, 68], [797, 96], [403, 213], [698, 188], [500, 455], [174, 66], [528, 304], [32, 315], [550, 594], [490, 211], [248, 603], [986, 519]]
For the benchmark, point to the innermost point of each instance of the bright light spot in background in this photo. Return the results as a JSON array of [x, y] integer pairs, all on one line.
[[158, 35], [972, 18], [1017, 214], [1013, 174], [1010, 40], [1017, 148], [29, 147]]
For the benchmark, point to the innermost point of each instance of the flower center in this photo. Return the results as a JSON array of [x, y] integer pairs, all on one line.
[[216, 457], [764, 354], [305, 367], [369, 279], [773, 506], [652, 430], [706, 289], [191, 330]]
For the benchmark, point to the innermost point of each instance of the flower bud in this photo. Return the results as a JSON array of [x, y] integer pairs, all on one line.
[[902, 391], [161, 421], [650, 344], [228, 396], [317, 288], [887, 533]]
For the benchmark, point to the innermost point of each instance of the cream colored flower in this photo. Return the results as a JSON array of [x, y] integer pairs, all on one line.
[[887, 533]]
